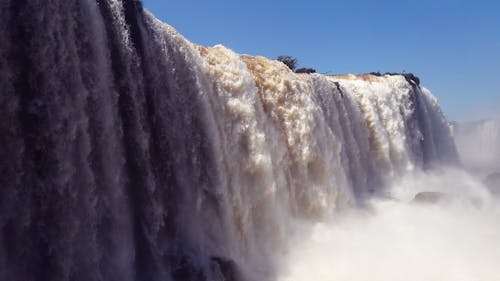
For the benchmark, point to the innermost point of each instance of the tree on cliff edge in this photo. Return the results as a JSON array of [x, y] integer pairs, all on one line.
[[289, 61], [292, 63]]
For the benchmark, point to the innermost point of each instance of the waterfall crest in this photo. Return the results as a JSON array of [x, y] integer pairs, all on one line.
[[130, 153]]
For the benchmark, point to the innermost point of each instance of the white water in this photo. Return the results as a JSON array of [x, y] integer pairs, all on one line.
[[394, 239], [130, 153]]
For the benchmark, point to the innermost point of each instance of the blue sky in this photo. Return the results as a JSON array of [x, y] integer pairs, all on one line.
[[453, 46]]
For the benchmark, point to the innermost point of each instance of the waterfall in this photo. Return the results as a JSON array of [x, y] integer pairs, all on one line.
[[129, 153], [478, 144]]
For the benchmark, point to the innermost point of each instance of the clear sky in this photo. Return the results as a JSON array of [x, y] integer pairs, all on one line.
[[453, 46]]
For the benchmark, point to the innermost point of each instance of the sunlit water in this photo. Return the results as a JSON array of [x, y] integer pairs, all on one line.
[[130, 154]]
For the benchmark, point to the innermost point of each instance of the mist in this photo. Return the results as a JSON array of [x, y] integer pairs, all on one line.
[[396, 238], [478, 144]]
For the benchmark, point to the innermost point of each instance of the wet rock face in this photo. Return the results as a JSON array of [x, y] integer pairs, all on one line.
[[430, 197], [224, 269], [221, 269], [492, 181], [440, 198]]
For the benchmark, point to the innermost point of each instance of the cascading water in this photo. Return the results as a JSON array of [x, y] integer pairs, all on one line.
[[478, 144], [129, 153]]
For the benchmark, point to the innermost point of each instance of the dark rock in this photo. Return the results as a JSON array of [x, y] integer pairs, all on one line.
[[187, 270], [492, 181], [434, 197], [305, 70], [224, 269], [430, 197], [190, 269]]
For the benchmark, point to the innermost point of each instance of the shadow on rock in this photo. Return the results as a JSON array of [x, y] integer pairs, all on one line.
[[492, 181], [431, 197]]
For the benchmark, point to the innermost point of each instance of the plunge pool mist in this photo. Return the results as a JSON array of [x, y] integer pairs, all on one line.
[[396, 238]]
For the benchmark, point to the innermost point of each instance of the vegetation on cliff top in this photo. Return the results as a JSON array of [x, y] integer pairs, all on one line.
[[292, 63]]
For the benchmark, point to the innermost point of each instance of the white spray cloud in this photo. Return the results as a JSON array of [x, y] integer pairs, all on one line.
[[478, 144], [396, 239]]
